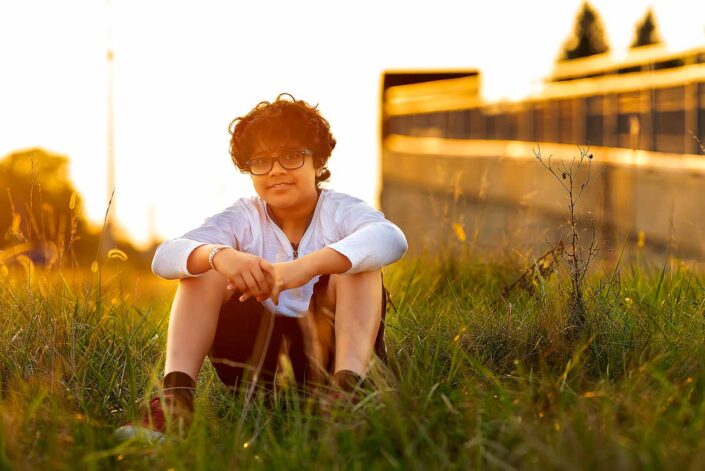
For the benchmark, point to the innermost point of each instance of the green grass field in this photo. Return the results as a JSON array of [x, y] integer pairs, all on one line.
[[473, 381]]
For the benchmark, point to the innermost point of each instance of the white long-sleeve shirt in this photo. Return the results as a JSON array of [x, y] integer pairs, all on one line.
[[342, 222]]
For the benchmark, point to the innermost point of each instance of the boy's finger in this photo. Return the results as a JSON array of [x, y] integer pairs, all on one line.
[[245, 297], [266, 265], [252, 286], [262, 283], [276, 289], [239, 283], [275, 294], [267, 268]]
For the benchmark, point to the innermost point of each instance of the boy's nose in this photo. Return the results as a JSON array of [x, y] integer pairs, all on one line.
[[277, 168]]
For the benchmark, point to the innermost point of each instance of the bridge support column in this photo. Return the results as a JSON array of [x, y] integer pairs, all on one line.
[[690, 108]]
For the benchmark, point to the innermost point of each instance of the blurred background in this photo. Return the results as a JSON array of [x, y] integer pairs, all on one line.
[[437, 109]]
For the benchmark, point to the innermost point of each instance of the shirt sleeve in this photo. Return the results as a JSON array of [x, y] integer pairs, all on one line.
[[224, 228], [368, 240]]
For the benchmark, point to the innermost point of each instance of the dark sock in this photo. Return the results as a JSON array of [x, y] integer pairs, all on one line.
[[181, 385], [346, 380]]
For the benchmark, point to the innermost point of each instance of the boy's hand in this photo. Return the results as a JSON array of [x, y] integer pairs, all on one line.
[[289, 275], [251, 275]]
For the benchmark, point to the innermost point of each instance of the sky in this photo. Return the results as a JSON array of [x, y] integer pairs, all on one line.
[[183, 71]]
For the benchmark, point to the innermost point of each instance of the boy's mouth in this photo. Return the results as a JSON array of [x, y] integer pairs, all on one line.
[[278, 186]]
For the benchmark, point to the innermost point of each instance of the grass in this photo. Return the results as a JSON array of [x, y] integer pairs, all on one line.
[[473, 380]]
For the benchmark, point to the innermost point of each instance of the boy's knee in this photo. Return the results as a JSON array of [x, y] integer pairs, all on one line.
[[211, 278], [368, 281], [372, 277], [208, 284]]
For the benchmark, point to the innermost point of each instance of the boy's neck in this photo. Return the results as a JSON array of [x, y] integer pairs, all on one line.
[[293, 222]]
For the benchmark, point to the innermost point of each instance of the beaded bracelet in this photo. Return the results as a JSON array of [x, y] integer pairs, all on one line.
[[215, 251]]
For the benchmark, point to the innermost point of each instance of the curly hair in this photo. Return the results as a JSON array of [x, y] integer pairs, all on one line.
[[282, 121]]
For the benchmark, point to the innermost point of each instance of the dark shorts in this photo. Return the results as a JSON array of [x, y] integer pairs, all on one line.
[[242, 333]]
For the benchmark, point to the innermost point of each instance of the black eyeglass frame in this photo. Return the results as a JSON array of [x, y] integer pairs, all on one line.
[[306, 152]]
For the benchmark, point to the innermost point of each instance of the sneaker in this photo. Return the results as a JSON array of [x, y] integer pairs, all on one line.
[[174, 413], [345, 388], [172, 410], [346, 380]]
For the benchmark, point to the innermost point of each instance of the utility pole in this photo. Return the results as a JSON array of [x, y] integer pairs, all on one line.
[[110, 200]]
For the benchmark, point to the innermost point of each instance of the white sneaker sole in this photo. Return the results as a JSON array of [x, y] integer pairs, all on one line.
[[140, 434]]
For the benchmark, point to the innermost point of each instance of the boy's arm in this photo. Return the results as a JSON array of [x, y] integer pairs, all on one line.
[[174, 259], [326, 261], [197, 262], [295, 273], [250, 274], [369, 240]]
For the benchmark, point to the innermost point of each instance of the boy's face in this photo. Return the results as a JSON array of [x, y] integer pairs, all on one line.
[[285, 188]]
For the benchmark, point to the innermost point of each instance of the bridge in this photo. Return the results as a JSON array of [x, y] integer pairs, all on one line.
[[458, 169]]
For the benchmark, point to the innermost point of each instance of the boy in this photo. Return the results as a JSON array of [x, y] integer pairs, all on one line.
[[295, 269]]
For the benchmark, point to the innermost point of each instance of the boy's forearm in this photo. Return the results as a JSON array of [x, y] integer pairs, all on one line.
[[327, 261]]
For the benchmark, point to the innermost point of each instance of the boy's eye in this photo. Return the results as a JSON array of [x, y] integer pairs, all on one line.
[[292, 156], [259, 162]]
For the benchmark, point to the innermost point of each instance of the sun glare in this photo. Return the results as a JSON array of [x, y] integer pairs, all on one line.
[[182, 72]]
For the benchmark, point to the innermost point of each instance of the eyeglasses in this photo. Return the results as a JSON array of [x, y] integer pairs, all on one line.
[[290, 161]]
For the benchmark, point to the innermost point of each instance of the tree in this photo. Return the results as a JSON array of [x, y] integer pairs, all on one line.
[[39, 203], [588, 36], [41, 213], [42, 216], [646, 32]]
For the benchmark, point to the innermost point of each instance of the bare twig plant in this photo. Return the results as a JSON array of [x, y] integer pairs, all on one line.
[[539, 270], [571, 178], [697, 141]]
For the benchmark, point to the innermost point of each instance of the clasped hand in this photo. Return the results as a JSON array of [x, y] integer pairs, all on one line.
[[255, 277]]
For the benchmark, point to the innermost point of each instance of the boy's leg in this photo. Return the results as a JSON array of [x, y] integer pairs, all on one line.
[[358, 315], [192, 323], [347, 312], [193, 320], [317, 329]]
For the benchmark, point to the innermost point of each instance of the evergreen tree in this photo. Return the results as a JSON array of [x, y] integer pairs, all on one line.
[[646, 31], [588, 36]]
